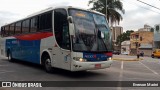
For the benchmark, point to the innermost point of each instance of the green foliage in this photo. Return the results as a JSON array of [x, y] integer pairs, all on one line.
[[114, 8], [123, 37]]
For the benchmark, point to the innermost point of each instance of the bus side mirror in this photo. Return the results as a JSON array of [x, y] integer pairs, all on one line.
[[72, 29], [70, 19], [102, 35]]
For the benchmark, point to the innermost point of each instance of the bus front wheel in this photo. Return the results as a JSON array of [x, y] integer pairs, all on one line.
[[47, 65]]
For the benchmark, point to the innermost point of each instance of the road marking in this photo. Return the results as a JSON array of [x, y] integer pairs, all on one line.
[[149, 68], [5, 71], [120, 76], [3, 65], [122, 65]]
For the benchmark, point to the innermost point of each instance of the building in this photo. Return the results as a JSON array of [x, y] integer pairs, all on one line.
[[145, 28], [125, 47], [156, 36], [116, 31], [141, 41]]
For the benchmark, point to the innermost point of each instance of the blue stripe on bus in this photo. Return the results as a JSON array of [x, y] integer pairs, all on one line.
[[95, 57], [24, 50]]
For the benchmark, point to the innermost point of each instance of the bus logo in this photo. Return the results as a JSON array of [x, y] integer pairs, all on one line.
[[6, 84], [90, 56]]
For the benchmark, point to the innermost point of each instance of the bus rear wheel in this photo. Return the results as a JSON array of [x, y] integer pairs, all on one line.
[[47, 65]]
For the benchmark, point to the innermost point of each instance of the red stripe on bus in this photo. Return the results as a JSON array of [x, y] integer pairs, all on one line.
[[109, 54], [35, 36]]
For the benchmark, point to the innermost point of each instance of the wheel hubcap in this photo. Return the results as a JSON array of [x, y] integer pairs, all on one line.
[[48, 64]]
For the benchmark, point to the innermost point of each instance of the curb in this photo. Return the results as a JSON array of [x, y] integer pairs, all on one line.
[[122, 59]]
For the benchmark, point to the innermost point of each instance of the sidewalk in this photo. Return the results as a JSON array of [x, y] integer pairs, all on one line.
[[126, 58]]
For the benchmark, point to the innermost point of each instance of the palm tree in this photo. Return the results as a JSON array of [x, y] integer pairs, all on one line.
[[114, 9]]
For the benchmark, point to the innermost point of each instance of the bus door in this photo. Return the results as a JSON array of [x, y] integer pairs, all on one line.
[[62, 57], [62, 52]]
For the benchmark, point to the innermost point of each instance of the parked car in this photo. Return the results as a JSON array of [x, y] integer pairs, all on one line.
[[116, 52], [156, 53]]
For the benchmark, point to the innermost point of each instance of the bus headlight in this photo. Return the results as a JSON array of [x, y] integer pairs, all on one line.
[[80, 59], [109, 58]]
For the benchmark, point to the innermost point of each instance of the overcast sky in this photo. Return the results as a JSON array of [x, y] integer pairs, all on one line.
[[136, 14]]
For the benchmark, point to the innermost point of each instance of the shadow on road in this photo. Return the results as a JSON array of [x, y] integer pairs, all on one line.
[[60, 72]]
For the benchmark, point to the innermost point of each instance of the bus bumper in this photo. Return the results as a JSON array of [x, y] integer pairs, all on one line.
[[80, 66]]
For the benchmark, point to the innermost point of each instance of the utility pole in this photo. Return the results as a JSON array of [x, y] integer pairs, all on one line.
[[106, 8]]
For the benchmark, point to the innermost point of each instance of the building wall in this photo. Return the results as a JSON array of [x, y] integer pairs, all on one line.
[[157, 36], [145, 28], [141, 38], [116, 31], [147, 52], [125, 47]]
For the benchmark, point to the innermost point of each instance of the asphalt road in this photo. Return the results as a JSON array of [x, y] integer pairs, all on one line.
[[144, 70]]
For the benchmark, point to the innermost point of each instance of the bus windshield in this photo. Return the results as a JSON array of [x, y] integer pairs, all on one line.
[[92, 33]]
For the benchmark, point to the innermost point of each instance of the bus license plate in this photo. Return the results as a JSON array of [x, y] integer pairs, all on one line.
[[97, 65]]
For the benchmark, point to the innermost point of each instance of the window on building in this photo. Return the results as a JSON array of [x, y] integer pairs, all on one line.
[[157, 28], [152, 29], [137, 36], [61, 28], [141, 38], [25, 26], [18, 28]]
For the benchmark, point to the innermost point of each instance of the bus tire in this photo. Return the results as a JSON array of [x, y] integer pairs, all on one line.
[[47, 64]]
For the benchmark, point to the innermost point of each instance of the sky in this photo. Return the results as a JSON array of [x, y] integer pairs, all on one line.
[[136, 13]]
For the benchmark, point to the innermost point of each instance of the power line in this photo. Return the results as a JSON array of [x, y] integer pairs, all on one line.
[[148, 4], [141, 6]]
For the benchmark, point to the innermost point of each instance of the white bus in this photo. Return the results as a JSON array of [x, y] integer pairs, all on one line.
[[64, 37]]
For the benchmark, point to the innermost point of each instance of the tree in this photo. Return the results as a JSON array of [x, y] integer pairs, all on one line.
[[115, 7], [123, 37]]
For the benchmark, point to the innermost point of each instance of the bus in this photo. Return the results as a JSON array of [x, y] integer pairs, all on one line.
[[68, 38]]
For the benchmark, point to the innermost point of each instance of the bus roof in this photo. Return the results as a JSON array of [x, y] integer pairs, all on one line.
[[50, 9]]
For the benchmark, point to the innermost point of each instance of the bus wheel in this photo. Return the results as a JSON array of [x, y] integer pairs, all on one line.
[[47, 65]]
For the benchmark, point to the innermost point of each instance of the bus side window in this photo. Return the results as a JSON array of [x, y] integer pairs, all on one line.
[[18, 28], [6, 30], [45, 22], [34, 23], [61, 28], [12, 29], [25, 26], [2, 30]]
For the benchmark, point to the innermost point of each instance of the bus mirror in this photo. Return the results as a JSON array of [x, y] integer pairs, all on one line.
[[102, 35], [71, 29], [70, 19]]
